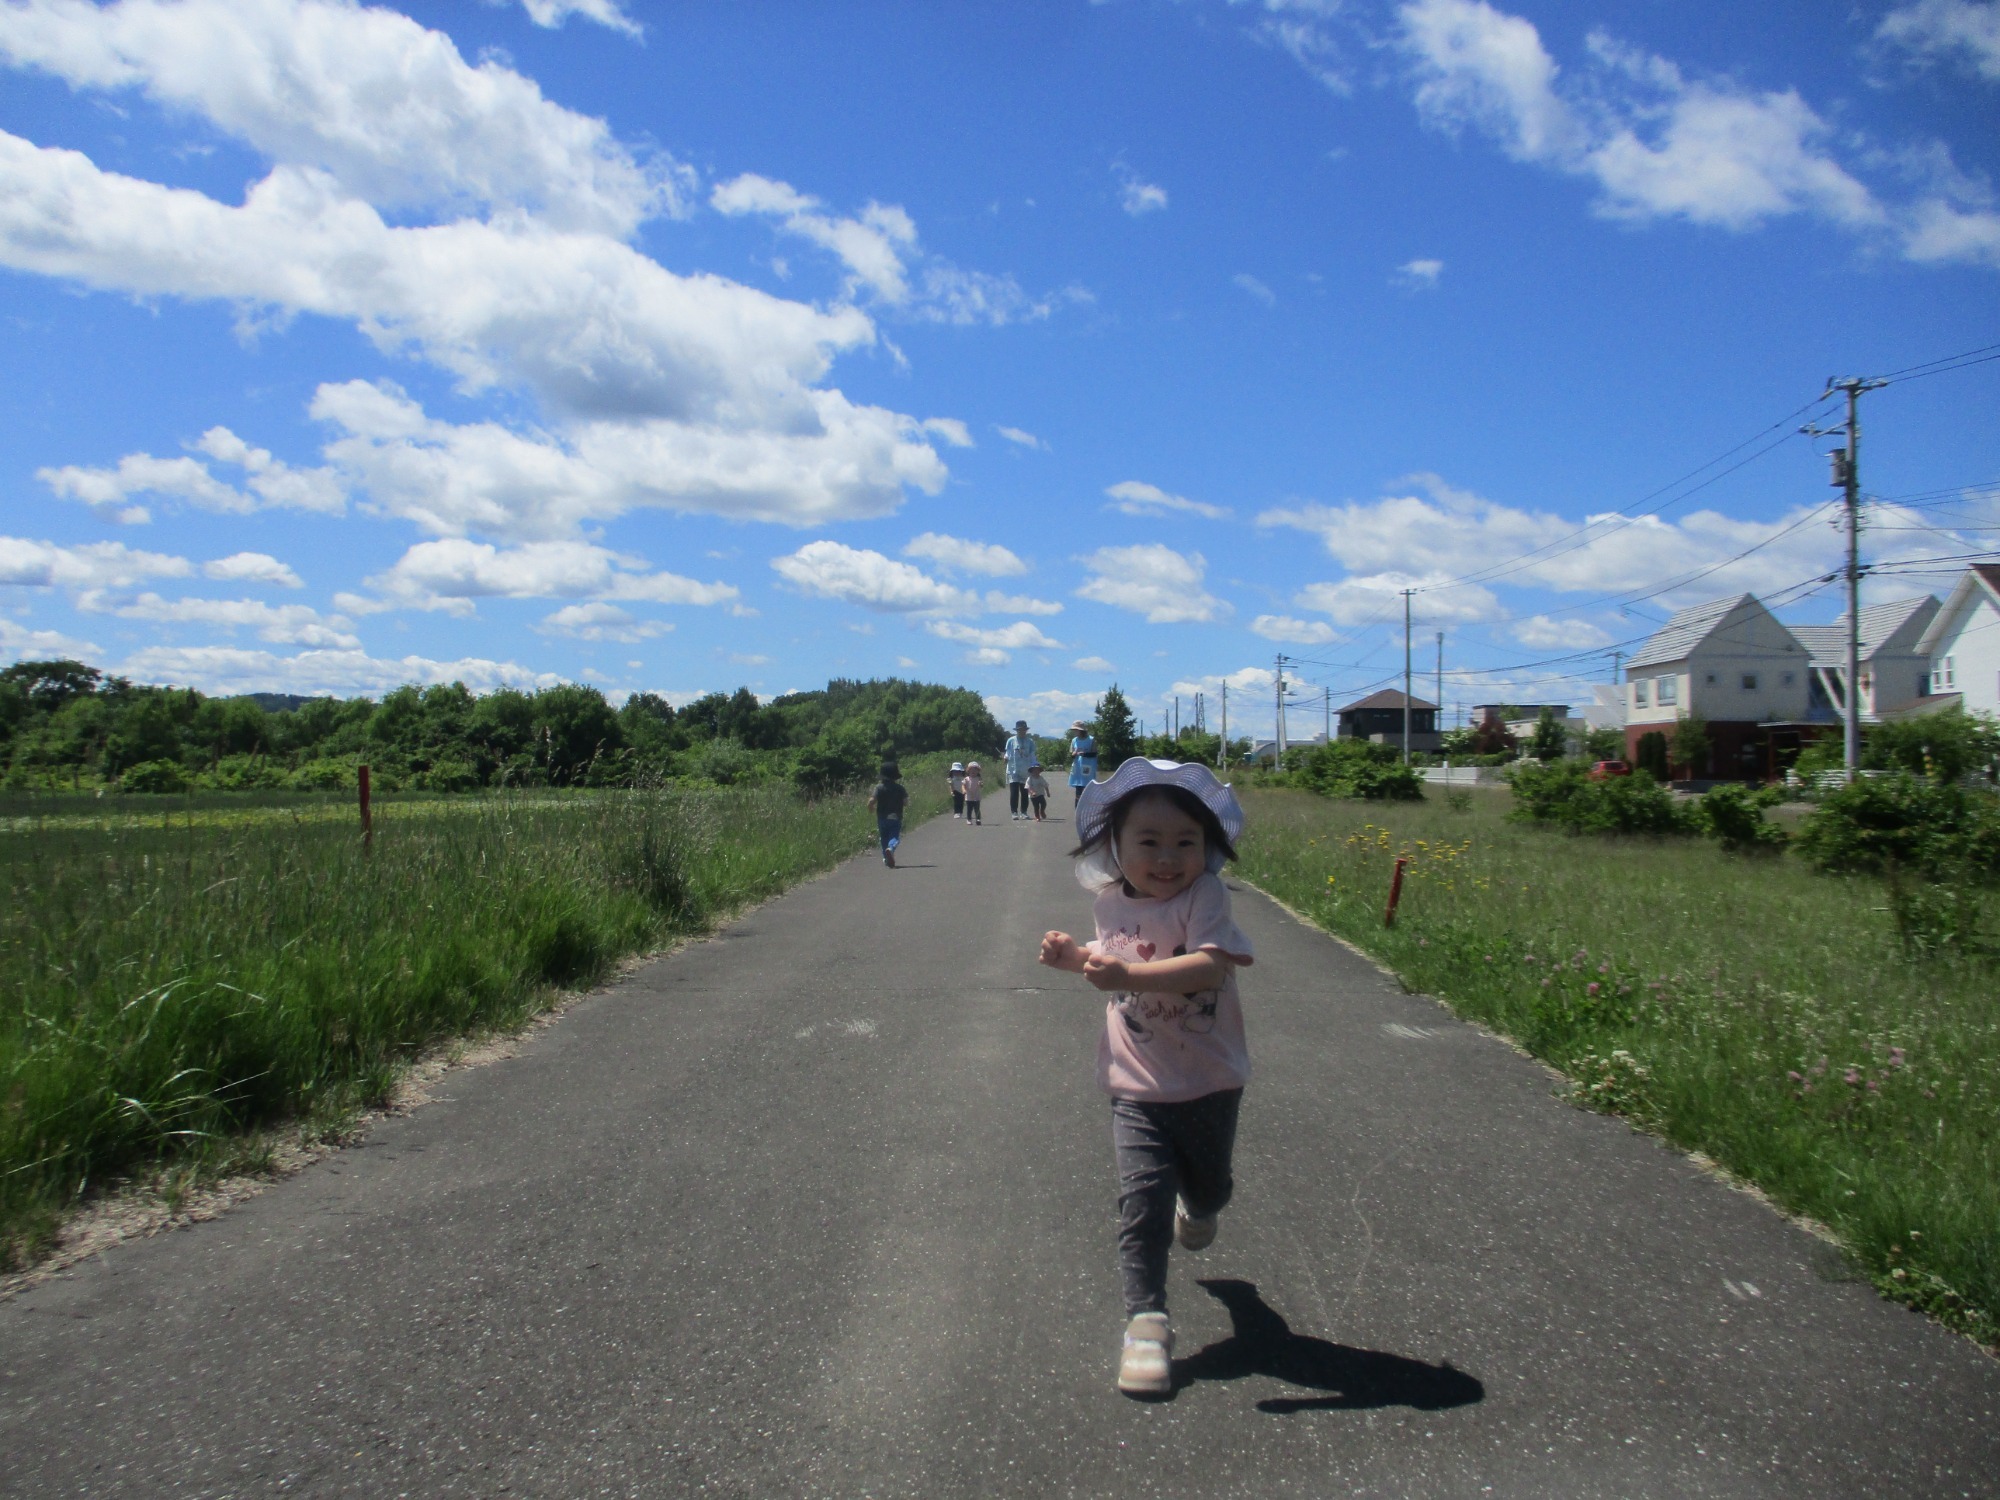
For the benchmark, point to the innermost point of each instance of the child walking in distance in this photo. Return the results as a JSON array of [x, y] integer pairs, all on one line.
[[972, 778], [1152, 841], [887, 802], [1038, 793], [955, 779]]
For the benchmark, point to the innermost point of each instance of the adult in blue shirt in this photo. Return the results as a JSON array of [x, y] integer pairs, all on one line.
[[1082, 758], [1019, 753]]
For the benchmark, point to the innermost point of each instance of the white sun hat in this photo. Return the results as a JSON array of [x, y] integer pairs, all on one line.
[[958, 765], [1093, 809]]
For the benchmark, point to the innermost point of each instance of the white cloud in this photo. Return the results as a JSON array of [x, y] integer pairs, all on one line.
[[230, 669], [19, 643], [1419, 275], [846, 463], [1152, 580], [1948, 28], [90, 565], [252, 567], [283, 624], [552, 13], [950, 429], [1547, 634], [1293, 631], [997, 603], [270, 483], [957, 556], [1372, 599], [1136, 498], [1138, 197], [1420, 539], [1656, 143], [1299, 28], [1022, 439], [385, 109], [1020, 636], [1047, 712], [853, 575], [452, 573], [1255, 288], [988, 656], [1092, 664], [601, 622], [872, 246]]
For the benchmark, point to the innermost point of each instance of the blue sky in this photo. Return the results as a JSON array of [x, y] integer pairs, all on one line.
[[1028, 347]]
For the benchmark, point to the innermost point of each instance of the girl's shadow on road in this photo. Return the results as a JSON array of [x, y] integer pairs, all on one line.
[[1262, 1343]]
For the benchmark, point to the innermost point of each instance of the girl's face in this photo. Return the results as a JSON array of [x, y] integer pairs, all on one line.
[[1160, 849]]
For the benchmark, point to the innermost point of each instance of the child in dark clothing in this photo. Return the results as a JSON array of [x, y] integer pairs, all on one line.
[[887, 802]]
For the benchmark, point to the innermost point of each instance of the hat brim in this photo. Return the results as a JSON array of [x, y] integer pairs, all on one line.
[[1093, 809]]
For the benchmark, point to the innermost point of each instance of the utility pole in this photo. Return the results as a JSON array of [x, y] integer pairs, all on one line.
[[1328, 697], [1281, 711], [1222, 755], [1177, 718], [1437, 714], [1406, 674], [1847, 477]]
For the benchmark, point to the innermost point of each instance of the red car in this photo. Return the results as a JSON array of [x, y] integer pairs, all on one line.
[[1604, 770]]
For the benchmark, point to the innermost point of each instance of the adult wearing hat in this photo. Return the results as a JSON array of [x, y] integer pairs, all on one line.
[[1082, 758], [1020, 754]]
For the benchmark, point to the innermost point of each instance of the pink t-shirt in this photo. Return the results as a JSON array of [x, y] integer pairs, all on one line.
[[1165, 1047]]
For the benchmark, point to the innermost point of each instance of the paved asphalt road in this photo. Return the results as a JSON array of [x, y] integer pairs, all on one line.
[[823, 1206]]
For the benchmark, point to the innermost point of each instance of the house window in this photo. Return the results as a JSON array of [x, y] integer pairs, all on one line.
[[1749, 682], [1669, 691], [1710, 679], [1639, 693], [1789, 678], [1944, 674]]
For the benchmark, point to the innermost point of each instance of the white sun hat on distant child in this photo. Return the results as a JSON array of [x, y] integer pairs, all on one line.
[[1093, 810]]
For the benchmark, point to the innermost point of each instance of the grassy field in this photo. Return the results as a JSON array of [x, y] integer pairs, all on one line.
[[1740, 1006], [174, 977]]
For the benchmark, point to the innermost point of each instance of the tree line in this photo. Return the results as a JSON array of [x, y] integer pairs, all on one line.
[[68, 725]]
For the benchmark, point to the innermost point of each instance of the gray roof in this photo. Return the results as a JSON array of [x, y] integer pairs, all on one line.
[[1687, 629], [1828, 643]]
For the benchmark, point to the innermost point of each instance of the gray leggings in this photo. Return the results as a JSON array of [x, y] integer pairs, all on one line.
[[1164, 1151]]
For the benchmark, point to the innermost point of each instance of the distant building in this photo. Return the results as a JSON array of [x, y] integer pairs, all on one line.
[[1607, 706], [1961, 645], [1895, 673], [1731, 663], [1379, 718]]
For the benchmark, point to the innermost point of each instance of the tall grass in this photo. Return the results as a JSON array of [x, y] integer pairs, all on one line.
[[1741, 1006], [168, 982]]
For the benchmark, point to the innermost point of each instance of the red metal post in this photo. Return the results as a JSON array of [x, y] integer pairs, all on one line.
[[368, 816], [1395, 892]]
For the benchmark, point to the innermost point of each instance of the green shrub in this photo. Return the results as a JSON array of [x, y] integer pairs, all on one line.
[[1563, 793], [1901, 822], [154, 776], [325, 776], [448, 776], [1945, 746], [1733, 815], [1357, 768]]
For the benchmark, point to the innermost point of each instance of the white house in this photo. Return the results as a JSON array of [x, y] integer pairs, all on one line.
[[1895, 671], [1962, 645], [1732, 663]]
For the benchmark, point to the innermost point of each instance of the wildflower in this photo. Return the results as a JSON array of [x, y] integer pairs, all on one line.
[[1529, 959], [1604, 968], [1545, 984], [1874, 1087], [1489, 958], [1592, 988], [1795, 1075], [1850, 1078], [1895, 1057]]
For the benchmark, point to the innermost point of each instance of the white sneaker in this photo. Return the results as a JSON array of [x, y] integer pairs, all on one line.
[[1191, 1233], [1145, 1365]]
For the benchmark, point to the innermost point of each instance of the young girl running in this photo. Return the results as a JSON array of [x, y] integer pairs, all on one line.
[[1152, 841], [955, 779], [972, 779]]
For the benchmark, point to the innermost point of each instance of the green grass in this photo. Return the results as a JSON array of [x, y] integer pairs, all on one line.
[[1740, 1006], [169, 983]]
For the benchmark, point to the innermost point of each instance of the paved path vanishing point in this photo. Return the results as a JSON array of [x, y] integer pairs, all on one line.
[[823, 1206]]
